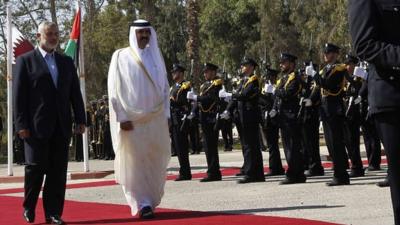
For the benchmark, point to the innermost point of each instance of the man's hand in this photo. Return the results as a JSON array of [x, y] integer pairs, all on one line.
[[80, 128], [127, 126], [23, 134]]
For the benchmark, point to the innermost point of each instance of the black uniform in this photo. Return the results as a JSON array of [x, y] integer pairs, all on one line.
[[250, 117], [352, 127], [309, 119], [287, 104], [376, 38], [370, 134], [180, 108], [226, 129], [208, 108], [332, 81], [270, 129]]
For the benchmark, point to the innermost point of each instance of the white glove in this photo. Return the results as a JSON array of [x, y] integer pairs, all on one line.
[[225, 115], [307, 102], [273, 113], [266, 115], [360, 72], [228, 98], [191, 96], [310, 70], [269, 88], [357, 100]]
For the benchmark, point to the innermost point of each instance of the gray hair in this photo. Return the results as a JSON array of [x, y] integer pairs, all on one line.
[[44, 25]]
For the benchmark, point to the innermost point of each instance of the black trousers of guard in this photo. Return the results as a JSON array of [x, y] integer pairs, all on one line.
[[352, 140], [253, 162], [52, 162], [334, 137], [210, 138], [227, 136], [310, 141], [194, 136], [388, 126], [372, 143], [291, 140], [271, 132], [181, 146]]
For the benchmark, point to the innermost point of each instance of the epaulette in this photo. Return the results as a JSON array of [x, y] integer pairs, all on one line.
[[217, 82], [251, 79], [186, 85], [340, 67]]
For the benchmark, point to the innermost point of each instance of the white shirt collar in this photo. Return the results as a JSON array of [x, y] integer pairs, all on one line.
[[43, 52]]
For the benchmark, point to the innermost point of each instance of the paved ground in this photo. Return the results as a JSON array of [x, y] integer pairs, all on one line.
[[360, 203]]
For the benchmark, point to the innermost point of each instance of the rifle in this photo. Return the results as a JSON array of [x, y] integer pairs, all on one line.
[[350, 106], [301, 109], [184, 123]]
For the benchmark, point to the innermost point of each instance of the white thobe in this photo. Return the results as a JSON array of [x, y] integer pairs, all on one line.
[[141, 155]]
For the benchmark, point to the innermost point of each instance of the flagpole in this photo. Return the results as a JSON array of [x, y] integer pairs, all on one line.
[[9, 94], [83, 90]]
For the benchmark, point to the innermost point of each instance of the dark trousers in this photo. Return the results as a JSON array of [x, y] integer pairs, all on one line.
[[352, 141], [310, 142], [239, 129], [181, 146], [78, 147], [52, 162], [291, 139], [210, 138], [253, 162], [372, 143], [226, 131], [334, 137], [388, 126], [271, 133], [194, 136]]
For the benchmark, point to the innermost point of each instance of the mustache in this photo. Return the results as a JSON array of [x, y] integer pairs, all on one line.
[[144, 38]]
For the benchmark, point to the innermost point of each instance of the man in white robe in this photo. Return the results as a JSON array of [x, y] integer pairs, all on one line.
[[138, 93]]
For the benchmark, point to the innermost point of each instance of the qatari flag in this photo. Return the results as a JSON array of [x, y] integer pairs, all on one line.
[[20, 44]]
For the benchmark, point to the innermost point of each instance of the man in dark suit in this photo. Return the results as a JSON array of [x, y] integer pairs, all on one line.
[[46, 86], [374, 28]]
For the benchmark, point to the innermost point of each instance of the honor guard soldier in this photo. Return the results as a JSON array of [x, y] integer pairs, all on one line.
[[250, 117], [286, 107], [208, 105], [374, 28], [308, 116], [180, 109], [332, 80], [270, 127], [353, 120]]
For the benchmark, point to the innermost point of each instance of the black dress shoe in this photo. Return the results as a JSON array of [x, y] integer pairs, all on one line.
[[247, 179], [293, 180], [29, 216], [338, 182], [384, 183], [373, 168], [314, 173], [210, 179], [146, 213], [182, 178], [357, 173], [54, 220], [274, 173]]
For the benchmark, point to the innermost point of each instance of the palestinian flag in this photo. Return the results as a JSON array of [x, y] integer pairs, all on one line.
[[72, 49]]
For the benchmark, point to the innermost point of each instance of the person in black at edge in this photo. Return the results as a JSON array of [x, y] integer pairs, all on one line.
[[353, 119], [270, 127], [250, 117], [309, 119], [332, 80], [208, 104], [286, 107], [180, 108], [374, 28]]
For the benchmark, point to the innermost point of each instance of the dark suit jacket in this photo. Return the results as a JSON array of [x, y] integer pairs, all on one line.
[[374, 28], [39, 106]]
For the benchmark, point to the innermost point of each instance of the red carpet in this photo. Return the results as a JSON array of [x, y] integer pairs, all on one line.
[[96, 213]]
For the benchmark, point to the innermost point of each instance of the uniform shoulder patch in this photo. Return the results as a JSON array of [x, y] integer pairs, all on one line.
[[253, 78], [217, 82], [340, 67], [186, 85]]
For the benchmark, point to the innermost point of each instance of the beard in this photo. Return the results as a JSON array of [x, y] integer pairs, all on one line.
[[49, 46]]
